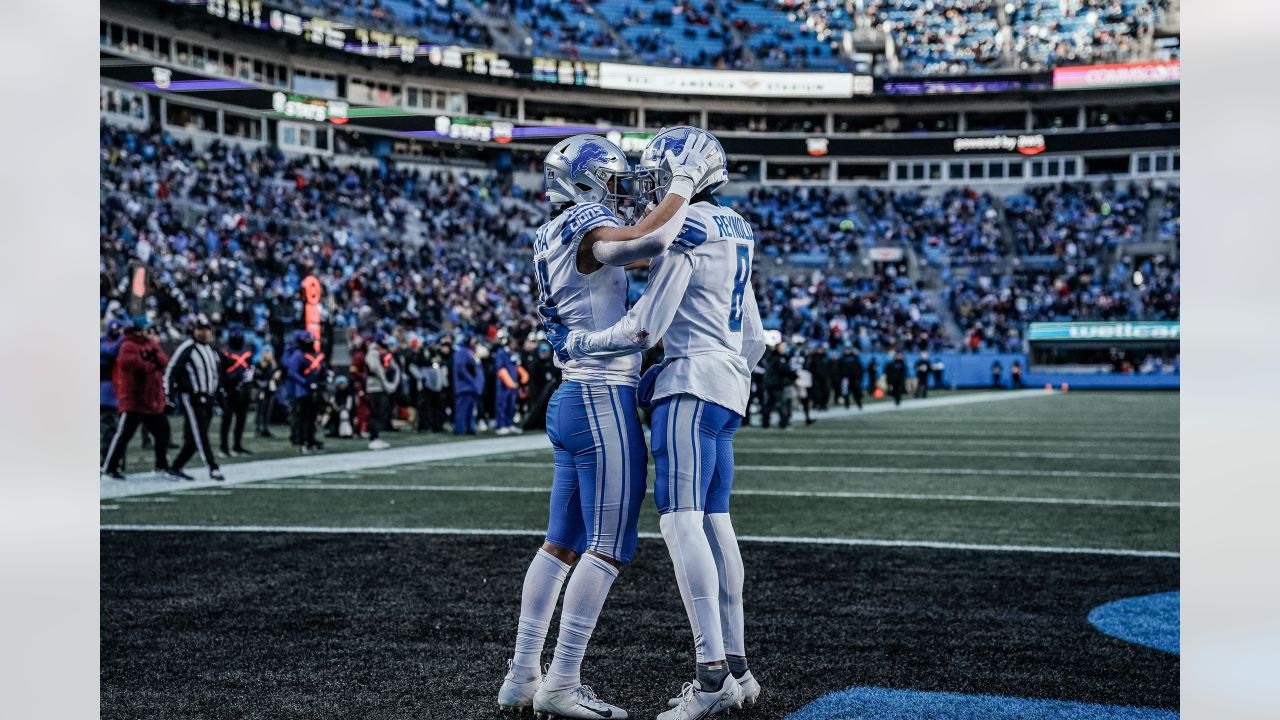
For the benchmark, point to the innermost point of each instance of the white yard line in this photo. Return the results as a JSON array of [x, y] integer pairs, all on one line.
[[877, 470], [147, 483], [745, 450], [853, 436], [649, 536], [1013, 437], [738, 492]]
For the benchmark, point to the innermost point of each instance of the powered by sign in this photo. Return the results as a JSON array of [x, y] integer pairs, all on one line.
[[1025, 144]]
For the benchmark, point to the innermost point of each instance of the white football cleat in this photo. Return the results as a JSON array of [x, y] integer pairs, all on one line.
[[750, 688], [695, 704], [379, 444], [517, 696], [750, 691], [575, 703]]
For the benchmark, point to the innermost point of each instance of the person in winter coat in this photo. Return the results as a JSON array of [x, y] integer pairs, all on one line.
[[510, 376], [305, 374], [138, 377], [895, 373], [779, 377], [850, 374], [235, 392], [381, 383], [266, 378], [819, 367], [468, 385], [922, 376]]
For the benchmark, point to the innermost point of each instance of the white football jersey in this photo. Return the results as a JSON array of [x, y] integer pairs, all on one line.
[[704, 343], [700, 303], [585, 302]]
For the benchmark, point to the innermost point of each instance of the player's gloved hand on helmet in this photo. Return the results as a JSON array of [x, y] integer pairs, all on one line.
[[694, 168], [557, 332]]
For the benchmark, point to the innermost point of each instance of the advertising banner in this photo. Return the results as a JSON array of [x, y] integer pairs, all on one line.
[[954, 86], [687, 81], [1104, 76], [1124, 330]]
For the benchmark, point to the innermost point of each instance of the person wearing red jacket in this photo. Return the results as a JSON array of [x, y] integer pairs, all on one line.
[[139, 385]]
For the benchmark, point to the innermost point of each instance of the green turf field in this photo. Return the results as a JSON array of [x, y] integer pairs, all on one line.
[[1076, 470]]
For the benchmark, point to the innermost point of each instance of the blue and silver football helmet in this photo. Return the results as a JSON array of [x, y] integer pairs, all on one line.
[[654, 173], [589, 168]]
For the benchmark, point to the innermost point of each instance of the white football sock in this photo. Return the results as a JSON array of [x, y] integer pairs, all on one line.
[[697, 578], [583, 600], [724, 547], [537, 604]]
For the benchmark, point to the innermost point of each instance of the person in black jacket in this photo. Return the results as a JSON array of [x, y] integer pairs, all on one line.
[[922, 376], [192, 380], [778, 378], [236, 392], [895, 373], [873, 375], [850, 376], [544, 378], [819, 367]]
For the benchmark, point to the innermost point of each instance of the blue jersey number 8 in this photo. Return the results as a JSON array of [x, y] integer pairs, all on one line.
[[740, 276]]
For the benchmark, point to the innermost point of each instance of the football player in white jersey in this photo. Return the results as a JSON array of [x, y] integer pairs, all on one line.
[[702, 306], [600, 463]]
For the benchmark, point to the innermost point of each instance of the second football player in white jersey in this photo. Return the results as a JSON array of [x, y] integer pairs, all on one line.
[[701, 304], [600, 466]]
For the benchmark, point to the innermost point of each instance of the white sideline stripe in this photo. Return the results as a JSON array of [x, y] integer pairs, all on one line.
[[747, 441], [108, 507], [877, 470], [882, 432], [147, 483], [739, 492], [949, 453], [741, 448], [646, 535]]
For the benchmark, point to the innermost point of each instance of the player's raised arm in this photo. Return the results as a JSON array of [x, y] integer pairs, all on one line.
[[691, 168], [642, 326]]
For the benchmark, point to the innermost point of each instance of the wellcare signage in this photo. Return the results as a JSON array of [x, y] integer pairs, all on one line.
[[1124, 330]]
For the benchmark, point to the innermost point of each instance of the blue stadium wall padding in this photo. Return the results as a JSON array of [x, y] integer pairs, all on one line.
[[1148, 620], [1109, 381], [973, 370], [885, 704]]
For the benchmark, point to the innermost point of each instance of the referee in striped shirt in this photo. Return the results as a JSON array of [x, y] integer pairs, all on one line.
[[192, 382]]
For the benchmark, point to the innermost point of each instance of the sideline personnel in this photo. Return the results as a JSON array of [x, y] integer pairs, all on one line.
[[192, 382]]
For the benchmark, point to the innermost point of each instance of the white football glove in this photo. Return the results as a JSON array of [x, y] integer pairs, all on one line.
[[693, 169]]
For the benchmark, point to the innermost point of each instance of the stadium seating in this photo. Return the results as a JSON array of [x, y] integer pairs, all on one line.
[[1052, 32], [930, 37], [684, 33], [934, 38], [566, 29], [435, 21], [1072, 243], [780, 40], [230, 232]]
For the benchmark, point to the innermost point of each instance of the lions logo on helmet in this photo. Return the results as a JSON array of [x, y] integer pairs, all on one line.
[[589, 153], [654, 170]]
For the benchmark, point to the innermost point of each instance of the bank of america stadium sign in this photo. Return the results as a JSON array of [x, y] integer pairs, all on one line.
[[1136, 330]]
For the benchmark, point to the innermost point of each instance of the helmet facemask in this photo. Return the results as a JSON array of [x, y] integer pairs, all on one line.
[[624, 193]]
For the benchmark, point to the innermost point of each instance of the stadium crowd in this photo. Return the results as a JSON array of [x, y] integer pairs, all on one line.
[[929, 37], [426, 265], [434, 21]]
